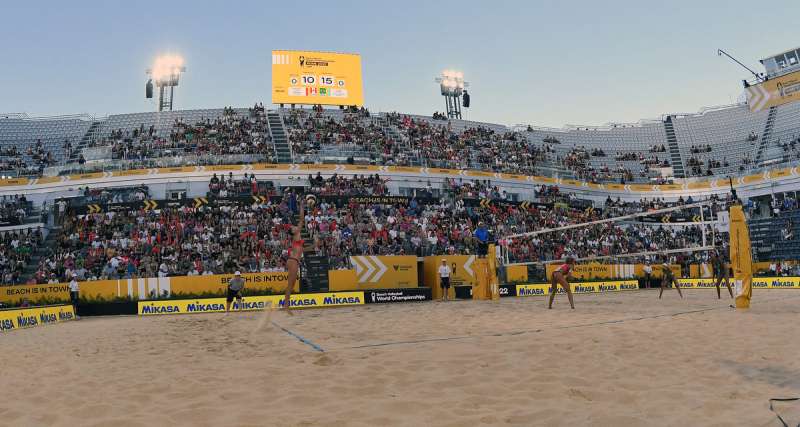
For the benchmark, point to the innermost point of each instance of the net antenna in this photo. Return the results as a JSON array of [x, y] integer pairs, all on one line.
[[703, 223]]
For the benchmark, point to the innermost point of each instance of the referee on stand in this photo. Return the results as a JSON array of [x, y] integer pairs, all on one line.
[[482, 234]]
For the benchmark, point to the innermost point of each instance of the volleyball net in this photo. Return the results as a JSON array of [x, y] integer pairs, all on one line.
[[689, 230]]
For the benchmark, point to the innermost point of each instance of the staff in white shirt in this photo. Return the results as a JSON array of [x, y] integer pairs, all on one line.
[[444, 279], [648, 273], [74, 292]]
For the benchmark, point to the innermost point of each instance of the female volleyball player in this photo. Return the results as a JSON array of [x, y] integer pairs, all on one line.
[[295, 252], [561, 277], [668, 278], [720, 272]]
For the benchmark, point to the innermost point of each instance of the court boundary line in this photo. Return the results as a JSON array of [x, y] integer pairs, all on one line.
[[539, 330], [299, 337]]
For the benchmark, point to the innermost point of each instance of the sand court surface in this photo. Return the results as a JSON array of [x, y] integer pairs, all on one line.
[[620, 359]]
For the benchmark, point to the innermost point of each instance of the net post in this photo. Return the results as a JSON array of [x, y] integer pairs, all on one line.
[[703, 225], [494, 285], [741, 256]]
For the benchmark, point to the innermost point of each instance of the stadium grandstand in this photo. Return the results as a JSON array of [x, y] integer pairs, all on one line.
[[716, 143], [720, 141], [245, 213]]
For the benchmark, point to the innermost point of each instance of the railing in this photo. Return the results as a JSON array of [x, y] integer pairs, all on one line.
[[746, 171], [612, 125], [164, 162], [24, 116]]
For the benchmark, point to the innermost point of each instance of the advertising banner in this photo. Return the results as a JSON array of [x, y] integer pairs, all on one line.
[[757, 283], [32, 317], [217, 305], [579, 288], [383, 296], [776, 91], [385, 272]]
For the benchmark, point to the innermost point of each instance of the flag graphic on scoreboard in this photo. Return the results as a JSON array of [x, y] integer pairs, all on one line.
[[311, 91]]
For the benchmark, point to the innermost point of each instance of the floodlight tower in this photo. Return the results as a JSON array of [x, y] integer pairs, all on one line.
[[451, 85], [166, 74]]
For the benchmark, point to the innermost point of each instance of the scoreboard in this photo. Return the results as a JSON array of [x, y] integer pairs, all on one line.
[[309, 77]]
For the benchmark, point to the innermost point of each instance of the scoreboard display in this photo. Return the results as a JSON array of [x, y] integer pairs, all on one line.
[[308, 77]]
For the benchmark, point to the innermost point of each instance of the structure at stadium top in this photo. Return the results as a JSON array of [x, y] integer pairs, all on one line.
[[718, 142]]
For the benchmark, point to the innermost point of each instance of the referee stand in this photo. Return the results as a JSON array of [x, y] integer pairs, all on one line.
[[487, 286]]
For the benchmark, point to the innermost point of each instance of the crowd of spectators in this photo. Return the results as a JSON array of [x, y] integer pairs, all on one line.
[[16, 249], [26, 162], [696, 165], [247, 185], [416, 141], [311, 132], [14, 209], [253, 236], [359, 185], [230, 134], [697, 149], [170, 241], [115, 194]]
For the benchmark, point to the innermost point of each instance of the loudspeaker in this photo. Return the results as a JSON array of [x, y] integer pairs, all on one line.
[[148, 89], [466, 99]]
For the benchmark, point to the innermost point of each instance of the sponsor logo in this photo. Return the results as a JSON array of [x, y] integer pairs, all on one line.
[[6, 324], [783, 284], [525, 291], [788, 89], [334, 300], [45, 318], [313, 62], [249, 305], [160, 309], [200, 307], [399, 295]]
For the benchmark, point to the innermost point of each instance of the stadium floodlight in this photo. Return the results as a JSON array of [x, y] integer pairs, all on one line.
[[165, 74], [451, 86]]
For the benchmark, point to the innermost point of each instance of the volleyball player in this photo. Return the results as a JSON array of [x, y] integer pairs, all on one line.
[[295, 254], [561, 277], [668, 278], [721, 272]]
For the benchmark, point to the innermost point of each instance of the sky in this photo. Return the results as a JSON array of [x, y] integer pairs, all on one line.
[[546, 63]]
